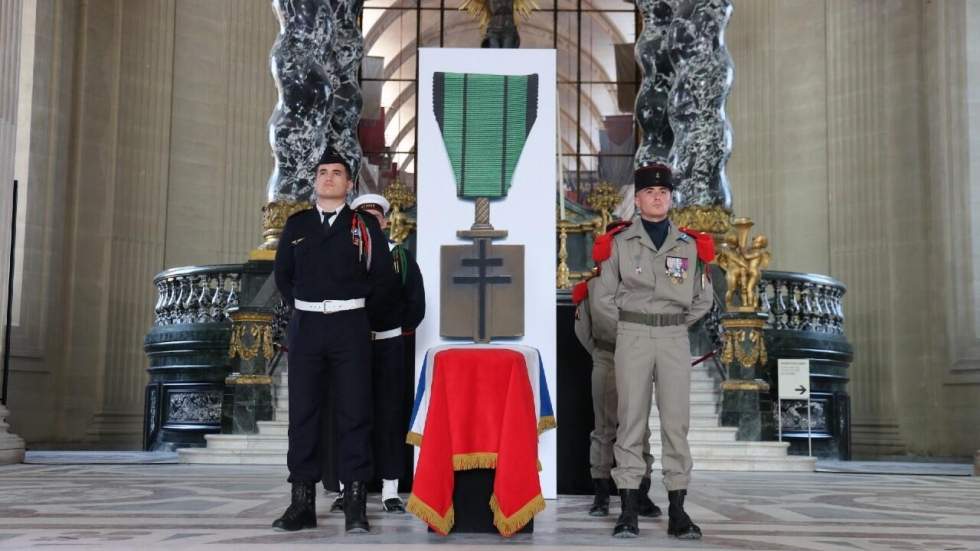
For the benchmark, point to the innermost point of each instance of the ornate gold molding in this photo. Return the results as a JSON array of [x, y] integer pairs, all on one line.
[[747, 346], [734, 384], [250, 316], [742, 323], [239, 379], [713, 219], [274, 216], [251, 334]]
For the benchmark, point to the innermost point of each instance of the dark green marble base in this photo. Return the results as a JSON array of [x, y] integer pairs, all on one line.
[[740, 408], [244, 405]]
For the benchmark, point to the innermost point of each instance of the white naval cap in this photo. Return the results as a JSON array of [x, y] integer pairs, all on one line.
[[367, 199]]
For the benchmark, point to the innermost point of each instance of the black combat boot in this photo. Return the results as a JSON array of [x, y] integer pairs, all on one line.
[[680, 525], [301, 513], [647, 508], [355, 508], [627, 525], [600, 505]]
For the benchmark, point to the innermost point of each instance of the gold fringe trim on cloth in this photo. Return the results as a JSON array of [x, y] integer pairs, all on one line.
[[481, 11], [476, 460], [466, 461], [547, 423], [508, 526], [439, 523]]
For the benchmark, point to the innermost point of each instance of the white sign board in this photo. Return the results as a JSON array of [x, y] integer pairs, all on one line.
[[794, 379], [527, 213]]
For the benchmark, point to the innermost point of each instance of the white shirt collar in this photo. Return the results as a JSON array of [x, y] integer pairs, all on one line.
[[335, 214]]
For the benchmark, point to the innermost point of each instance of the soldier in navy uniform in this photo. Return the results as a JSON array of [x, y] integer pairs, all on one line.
[[334, 267], [392, 376]]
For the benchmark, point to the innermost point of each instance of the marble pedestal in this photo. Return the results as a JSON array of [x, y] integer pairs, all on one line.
[[11, 445], [248, 390], [743, 353], [740, 407], [247, 400]]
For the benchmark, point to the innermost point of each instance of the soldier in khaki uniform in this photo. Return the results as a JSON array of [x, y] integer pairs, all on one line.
[[596, 330], [657, 283]]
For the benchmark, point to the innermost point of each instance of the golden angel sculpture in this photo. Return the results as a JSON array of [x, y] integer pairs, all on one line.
[[743, 264]]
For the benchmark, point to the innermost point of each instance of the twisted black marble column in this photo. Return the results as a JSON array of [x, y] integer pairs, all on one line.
[[652, 98], [302, 66], [703, 76], [346, 52]]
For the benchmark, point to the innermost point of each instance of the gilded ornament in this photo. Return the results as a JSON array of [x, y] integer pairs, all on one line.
[[248, 379], [711, 219], [480, 9], [400, 226], [563, 279], [260, 340], [274, 216], [733, 384], [743, 264]]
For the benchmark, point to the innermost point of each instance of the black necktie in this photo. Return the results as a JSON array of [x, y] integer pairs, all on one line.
[[326, 220]]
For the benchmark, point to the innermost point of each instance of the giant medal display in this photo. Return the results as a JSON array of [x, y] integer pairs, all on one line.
[[484, 121]]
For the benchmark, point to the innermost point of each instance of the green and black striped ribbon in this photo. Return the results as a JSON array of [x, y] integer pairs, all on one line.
[[485, 121]]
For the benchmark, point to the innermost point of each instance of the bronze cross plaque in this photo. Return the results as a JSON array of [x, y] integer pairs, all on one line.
[[482, 291]]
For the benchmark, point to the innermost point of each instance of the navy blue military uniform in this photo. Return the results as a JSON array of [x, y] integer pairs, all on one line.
[[316, 263], [393, 378], [393, 375]]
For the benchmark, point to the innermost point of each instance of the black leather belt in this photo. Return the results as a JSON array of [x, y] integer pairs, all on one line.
[[653, 320], [605, 345]]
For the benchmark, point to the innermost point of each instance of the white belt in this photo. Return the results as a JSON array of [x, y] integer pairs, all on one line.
[[389, 334], [330, 306]]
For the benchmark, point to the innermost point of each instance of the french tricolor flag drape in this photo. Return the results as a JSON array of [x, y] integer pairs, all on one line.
[[480, 406]]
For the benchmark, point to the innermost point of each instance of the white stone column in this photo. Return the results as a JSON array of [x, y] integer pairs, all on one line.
[[11, 445], [136, 210]]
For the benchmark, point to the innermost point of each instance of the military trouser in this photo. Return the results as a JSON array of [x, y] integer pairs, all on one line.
[[652, 355], [604, 405], [391, 410]]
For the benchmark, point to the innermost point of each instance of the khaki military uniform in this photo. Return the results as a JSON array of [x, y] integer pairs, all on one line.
[[595, 328], [658, 294]]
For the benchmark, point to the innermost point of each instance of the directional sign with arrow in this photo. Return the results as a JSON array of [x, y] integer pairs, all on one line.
[[794, 379]]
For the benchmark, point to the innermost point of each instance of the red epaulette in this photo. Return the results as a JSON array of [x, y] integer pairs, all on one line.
[[580, 292], [704, 243], [602, 249]]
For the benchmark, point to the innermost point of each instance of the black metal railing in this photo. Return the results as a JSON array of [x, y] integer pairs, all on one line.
[[188, 352], [196, 294], [806, 320], [803, 302]]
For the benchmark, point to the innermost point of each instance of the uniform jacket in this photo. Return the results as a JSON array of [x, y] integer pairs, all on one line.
[[412, 289], [638, 278], [314, 265], [594, 320]]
